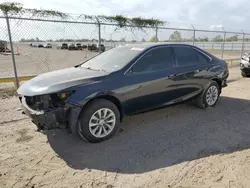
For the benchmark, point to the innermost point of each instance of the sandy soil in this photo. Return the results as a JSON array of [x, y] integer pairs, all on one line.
[[176, 147]]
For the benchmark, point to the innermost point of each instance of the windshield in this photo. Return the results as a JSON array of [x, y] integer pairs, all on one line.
[[112, 60]]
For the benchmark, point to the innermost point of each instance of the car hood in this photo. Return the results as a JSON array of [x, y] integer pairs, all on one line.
[[52, 82]]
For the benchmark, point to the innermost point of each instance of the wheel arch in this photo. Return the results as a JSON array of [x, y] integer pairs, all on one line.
[[108, 97], [218, 81]]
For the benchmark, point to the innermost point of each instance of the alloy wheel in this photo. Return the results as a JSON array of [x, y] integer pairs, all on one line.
[[102, 122], [212, 95]]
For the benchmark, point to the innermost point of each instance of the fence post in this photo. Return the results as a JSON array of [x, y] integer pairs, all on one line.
[[223, 45], [242, 45], [99, 35], [156, 33], [193, 35], [12, 51]]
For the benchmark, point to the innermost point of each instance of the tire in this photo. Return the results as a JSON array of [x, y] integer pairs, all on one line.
[[243, 74], [204, 101], [89, 116]]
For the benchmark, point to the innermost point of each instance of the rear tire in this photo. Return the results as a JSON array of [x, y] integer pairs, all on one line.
[[98, 121], [209, 97], [243, 74]]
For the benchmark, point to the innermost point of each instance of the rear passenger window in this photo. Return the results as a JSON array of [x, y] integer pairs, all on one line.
[[186, 56], [202, 58]]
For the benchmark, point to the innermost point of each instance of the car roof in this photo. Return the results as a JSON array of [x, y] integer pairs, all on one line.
[[150, 45]]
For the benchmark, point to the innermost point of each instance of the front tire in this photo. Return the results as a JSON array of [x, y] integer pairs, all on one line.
[[98, 121], [209, 97]]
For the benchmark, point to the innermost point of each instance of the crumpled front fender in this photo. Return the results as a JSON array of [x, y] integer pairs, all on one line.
[[73, 118]]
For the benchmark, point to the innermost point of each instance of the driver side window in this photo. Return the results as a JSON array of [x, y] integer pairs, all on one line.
[[157, 59]]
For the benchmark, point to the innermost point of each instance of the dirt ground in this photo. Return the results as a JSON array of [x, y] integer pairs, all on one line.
[[176, 147]]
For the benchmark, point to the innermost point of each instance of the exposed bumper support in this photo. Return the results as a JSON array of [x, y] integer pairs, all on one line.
[[53, 118]]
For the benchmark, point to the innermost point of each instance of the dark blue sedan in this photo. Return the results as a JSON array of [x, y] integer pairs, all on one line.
[[92, 98]]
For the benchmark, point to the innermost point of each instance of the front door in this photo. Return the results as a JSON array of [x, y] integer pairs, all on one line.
[[149, 82]]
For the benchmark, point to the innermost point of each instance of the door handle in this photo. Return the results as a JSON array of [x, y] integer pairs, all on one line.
[[196, 71], [171, 76]]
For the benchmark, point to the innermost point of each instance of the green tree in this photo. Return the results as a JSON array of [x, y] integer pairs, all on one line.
[[154, 39], [27, 40], [232, 38], [175, 36], [218, 38], [203, 39]]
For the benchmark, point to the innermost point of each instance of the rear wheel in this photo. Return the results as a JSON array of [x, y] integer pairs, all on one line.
[[209, 97], [99, 121], [243, 74]]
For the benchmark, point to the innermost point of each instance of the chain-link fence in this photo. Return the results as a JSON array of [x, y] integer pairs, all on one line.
[[45, 44]]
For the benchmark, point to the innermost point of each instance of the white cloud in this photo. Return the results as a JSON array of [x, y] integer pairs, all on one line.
[[230, 13], [216, 27]]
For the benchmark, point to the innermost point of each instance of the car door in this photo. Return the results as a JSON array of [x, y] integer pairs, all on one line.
[[188, 81], [148, 82], [204, 66]]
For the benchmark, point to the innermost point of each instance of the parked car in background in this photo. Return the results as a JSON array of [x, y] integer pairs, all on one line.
[[62, 46], [92, 47], [7, 50], [78, 46], [245, 65], [3, 46], [95, 47], [48, 45], [72, 46], [92, 98], [102, 48], [84, 46], [38, 45]]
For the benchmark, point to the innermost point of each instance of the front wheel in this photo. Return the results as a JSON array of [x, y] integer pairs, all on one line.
[[98, 121], [209, 97]]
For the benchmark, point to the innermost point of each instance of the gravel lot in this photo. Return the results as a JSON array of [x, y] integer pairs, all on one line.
[[180, 146], [33, 61]]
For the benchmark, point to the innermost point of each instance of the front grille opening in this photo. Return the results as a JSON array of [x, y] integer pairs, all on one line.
[[44, 102], [35, 102]]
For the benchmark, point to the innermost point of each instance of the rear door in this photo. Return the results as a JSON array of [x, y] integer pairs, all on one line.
[[188, 82]]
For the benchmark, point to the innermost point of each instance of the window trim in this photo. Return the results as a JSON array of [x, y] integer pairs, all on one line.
[[195, 49], [177, 60], [156, 47], [210, 59]]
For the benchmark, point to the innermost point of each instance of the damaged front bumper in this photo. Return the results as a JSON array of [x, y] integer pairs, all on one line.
[[59, 117]]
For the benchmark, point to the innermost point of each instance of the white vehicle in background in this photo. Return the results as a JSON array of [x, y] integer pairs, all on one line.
[[47, 45], [245, 65]]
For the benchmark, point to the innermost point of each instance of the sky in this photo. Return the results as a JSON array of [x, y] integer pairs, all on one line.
[[203, 13], [232, 15]]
